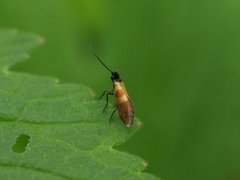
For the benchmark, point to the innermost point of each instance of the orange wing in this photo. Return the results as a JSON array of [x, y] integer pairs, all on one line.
[[123, 104], [126, 112]]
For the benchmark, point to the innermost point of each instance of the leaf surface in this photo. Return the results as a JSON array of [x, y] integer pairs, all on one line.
[[52, 130]]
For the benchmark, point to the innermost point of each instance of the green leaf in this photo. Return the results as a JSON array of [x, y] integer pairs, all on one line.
[[52, 130]]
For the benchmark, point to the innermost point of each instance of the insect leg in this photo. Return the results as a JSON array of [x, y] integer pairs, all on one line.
[[108, 93], [113, 113], [104, 92]]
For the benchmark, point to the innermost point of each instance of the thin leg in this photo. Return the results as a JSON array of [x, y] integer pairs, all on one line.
[[112, 114], [104, 92], [108, 93]]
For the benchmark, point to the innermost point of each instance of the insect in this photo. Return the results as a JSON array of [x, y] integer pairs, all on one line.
[[124, 104]]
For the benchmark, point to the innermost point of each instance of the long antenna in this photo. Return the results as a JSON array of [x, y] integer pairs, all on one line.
[[98, 58]]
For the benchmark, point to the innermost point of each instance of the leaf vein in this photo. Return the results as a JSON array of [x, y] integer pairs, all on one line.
[[35, 169]]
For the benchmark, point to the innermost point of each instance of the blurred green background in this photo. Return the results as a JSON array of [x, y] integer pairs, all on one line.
[[180, 61]]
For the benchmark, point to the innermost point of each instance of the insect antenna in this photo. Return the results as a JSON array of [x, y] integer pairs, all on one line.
[[99, 59]]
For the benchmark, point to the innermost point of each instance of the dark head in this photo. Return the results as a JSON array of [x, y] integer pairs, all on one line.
[[115, 76]]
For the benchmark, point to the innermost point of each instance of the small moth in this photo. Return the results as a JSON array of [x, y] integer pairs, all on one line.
[[123, 104]]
